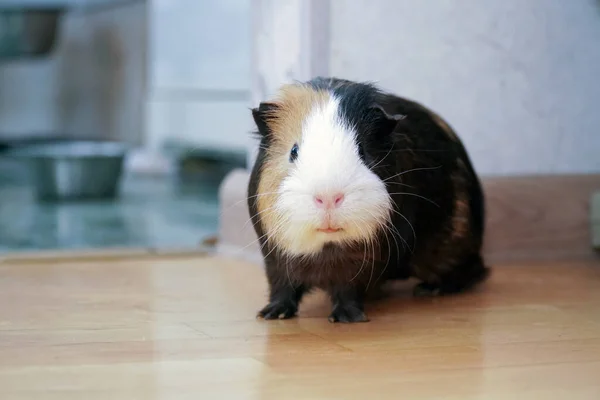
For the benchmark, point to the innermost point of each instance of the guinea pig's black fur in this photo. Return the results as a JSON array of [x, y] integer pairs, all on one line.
[[435, 231]]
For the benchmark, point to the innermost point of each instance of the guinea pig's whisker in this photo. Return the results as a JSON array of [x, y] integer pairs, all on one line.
[[394, 201], [416, 195], [253, 242], [372, 264], [389, 255], [274, 233], [245, 200], [277, 227], [411, 170], [389, 246], [384, 157], [390, 227], [371, 242], [270, 252], [395, 242], [401, 184], [409, 224], [258, 213], [259, 238], [362, 265], [404, 242], [422, 150], [261, 194], [287, 271]]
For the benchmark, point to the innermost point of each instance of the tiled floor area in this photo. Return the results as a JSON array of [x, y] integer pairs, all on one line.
[[150, 213]]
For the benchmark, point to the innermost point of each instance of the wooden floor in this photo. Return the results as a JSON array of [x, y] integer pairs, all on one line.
[[184, 328]]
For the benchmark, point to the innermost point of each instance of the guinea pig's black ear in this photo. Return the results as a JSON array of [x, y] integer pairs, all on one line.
[[261, 114], [386, 122]]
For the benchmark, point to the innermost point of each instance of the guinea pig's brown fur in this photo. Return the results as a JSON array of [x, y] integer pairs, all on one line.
[[353, 187], [294, 104]]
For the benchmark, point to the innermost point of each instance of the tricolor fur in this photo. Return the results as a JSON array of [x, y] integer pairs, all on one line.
[[354, 186]]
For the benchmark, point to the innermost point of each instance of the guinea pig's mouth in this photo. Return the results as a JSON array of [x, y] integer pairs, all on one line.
[[329, 230]]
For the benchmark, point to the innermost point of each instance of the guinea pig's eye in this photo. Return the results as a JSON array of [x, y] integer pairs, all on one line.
[[294, 153]]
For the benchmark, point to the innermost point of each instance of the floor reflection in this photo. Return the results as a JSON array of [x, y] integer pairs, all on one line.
[[151, 212], [405, 341]]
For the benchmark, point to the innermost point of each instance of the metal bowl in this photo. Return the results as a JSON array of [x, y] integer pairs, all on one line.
[[27, 32], [74, 170]]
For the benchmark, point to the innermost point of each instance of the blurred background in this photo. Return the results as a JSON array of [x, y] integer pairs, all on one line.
[[119, 119], [167, 81]]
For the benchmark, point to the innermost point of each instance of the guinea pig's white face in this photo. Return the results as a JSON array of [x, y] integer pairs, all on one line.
[[329, 194]]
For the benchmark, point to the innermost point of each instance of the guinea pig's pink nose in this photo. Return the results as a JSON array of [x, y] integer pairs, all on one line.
[[329, 200]]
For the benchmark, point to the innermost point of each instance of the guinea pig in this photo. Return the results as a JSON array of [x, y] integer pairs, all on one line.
[[353, 187]]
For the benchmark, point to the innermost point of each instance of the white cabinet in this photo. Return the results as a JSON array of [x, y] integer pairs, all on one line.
[[199, 55]]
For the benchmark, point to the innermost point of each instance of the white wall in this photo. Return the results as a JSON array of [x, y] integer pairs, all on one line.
[[290, 42], [92, 84], [519, 80]]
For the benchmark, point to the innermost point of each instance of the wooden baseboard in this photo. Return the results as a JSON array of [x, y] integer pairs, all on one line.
[[541, 217], [528, 218], [595, 227]]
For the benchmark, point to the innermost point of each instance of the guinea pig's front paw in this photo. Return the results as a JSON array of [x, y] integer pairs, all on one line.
[[347, 314], [278, 310]]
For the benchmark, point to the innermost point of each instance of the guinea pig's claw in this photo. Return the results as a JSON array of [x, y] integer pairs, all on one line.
[[347, 314], [277, 311]]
